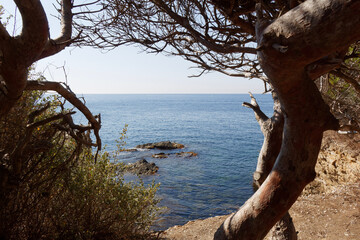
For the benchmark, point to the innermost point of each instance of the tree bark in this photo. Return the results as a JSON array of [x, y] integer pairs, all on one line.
[[18, 53], [283, 229], [305, 34], [293, 169], [272, 129]]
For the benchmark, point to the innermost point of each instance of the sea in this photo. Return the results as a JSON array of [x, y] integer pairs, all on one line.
[[224, 134]]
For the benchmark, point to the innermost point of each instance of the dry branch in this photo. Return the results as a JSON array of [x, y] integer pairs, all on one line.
[[260, 115], [71, 97]]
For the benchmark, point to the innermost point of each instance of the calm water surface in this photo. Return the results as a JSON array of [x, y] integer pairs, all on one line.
[[225, 135]]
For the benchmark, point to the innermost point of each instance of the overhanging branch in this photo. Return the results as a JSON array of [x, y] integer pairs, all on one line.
[[71, 97]]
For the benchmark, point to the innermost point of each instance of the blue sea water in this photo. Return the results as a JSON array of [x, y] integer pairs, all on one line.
[[225, 135]]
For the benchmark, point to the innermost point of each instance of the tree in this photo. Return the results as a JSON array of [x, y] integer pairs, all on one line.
[[19, 151], [288, 44], [18, 53], [272, 129], [52, 185]]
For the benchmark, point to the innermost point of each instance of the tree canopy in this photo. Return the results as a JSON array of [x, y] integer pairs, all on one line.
[[220, 36], [215, 35]]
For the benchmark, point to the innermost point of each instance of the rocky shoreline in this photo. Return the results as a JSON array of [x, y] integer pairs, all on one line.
[[329, 208]]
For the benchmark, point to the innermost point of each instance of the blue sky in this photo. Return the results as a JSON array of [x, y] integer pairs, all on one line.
[[128, 70]]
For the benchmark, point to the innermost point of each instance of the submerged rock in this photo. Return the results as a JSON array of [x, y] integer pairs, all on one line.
[[142, 167], [160, 155], [186, 154], [165, 145], [129, 150]]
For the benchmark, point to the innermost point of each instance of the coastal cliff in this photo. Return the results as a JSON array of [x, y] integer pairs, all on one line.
[[338, 162]]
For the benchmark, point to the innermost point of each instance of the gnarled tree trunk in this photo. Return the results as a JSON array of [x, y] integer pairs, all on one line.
[[305, 122], [287, 46], [18, 53], [272, 129]]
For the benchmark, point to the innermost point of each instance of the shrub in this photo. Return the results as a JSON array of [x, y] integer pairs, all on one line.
[[101, 205], [51, 187]]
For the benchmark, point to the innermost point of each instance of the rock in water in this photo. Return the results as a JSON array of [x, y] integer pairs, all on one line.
[[186, 154], [142, 167], [180, 154], [160, 155], [165, 145]]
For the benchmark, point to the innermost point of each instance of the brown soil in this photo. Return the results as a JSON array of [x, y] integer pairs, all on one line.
[[330, 216], [329, 209]]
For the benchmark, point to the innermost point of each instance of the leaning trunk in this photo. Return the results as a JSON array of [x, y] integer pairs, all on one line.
[[306, 117], [286, 47], [272, 129]]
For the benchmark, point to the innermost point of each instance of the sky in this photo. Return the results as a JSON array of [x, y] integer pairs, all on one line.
[[128, 70]]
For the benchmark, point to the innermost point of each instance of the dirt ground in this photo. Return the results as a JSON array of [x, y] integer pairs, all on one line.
[[331, 216], [323, 216]]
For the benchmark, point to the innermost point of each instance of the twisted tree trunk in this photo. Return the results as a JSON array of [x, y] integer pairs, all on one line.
[[305, 121], [287, 46], [272, 129], [18, 53]]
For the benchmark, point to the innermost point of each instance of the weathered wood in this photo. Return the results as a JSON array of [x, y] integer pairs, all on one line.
[[272, 129]]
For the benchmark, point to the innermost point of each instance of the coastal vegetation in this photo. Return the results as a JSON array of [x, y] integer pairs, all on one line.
[[61, 191], [306, 52], [54, 186]]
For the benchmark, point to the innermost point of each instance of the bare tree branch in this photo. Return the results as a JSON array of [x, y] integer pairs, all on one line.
[[75, 135], [195, 30], [71, 97], [86, 4], [183, 21], [36, 113], [18, 150], [259, 115], [49, 119], [235, 12]]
